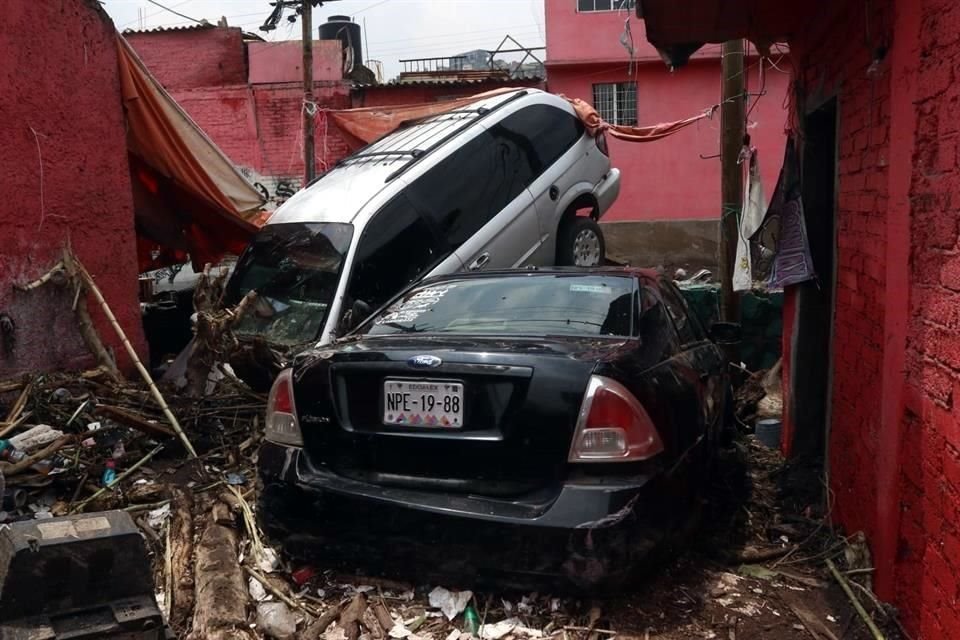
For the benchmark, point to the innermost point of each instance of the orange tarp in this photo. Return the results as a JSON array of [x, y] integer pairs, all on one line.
[[188, 196], [366, 124]]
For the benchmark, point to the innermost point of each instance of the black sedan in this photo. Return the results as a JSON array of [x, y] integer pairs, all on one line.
[[527, 423]]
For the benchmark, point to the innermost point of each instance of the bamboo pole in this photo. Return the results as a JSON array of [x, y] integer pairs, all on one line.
[[118, 479], [877, 634], [154, 391]]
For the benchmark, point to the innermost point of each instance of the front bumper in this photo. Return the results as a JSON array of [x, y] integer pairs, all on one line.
[[592, 532]]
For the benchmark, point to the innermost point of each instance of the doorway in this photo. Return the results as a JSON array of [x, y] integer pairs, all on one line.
[[812, 368]]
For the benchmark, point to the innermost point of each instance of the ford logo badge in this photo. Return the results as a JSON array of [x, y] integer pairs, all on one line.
[[424, 362]]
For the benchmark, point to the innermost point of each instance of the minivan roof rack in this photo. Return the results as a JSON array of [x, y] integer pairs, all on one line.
[[413, 153], [481, 113]]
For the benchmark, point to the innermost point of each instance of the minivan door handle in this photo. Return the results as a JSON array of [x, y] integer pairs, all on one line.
[[554, 192], [480, 262]]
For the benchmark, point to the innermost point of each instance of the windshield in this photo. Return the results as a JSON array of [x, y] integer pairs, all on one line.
[[526, 304], [294, 268]]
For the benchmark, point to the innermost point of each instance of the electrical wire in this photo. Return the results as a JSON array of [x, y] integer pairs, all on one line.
[[177, 13]]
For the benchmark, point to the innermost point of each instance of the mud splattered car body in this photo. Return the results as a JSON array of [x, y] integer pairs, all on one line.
[[535, 423]]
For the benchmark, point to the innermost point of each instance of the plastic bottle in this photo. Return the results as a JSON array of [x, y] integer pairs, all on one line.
[[9, 453], [109, 474], [471, 621]]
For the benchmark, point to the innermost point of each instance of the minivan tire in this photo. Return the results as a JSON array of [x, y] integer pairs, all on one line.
[[580, 243]]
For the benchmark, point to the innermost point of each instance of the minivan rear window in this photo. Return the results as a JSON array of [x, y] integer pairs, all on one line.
[[529, 304], [294, 268]]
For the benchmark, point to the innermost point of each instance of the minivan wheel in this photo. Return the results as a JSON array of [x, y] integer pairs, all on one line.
[[580, 243]]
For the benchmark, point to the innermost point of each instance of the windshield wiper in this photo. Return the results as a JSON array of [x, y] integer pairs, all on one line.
[[402, 328]]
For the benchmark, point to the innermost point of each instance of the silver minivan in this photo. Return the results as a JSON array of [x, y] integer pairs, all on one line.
[[511, 180]]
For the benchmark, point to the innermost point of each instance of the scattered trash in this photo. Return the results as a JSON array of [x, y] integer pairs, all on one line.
[[236, 479], [109, 474], [512, 626], [257, 592], [450, 603], [276, 620], [303, 576], [756, 571], [471, 621]]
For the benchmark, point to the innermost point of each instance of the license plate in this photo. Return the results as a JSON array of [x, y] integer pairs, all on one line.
[[423, 403]]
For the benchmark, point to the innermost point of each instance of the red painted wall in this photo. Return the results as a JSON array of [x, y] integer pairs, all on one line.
[[190, 58], [257, 120], [70, 99], [664, 180], [895, 441]]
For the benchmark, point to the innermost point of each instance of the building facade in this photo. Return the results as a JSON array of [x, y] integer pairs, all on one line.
[[65, 175], [669, 204], [873, 349]]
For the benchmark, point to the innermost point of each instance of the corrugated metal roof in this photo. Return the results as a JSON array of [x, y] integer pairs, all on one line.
[[191, 27]]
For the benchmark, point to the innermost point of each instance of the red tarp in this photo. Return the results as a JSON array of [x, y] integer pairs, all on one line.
[[188, 196], [364, 125]]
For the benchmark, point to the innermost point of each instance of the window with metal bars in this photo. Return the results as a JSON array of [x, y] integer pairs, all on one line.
[[585, 6], [616, 102]]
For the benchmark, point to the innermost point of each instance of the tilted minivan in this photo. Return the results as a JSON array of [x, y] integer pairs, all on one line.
[[511, 180]]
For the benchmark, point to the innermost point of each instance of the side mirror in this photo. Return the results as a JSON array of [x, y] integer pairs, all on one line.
[[359, 312], [726, 332]]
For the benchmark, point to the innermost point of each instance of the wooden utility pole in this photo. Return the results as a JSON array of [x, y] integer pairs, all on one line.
[[732, 125], [309, 110]]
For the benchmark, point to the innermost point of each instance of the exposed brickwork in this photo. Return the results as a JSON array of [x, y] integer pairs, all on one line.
[[193, 58], [60, 100], [929, 549], [863, 106], [260, 129], [927, 562]]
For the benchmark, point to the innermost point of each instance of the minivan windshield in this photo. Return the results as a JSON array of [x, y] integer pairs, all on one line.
[[294, 268], [528, 304]]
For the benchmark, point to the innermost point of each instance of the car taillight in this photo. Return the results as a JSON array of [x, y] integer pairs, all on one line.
[[282, 425], [602, 144], [613, 426]]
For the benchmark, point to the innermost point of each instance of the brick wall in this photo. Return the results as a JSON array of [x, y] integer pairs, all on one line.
[[929, 549], [64, 176], [899, 121], [260, 129], [193, 57], [863, 106]]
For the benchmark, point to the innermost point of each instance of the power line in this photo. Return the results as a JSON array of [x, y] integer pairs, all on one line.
[[177, 13]]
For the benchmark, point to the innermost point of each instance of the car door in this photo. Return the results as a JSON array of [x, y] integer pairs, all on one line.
[[703, 356], [398, 246], [478, 201], [556, 136]]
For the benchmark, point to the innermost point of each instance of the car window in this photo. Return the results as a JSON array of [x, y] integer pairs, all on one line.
[[397, 247], [472, 185], [656, 329], [547, 132], [686, 326], [545, 304], [295, 269]]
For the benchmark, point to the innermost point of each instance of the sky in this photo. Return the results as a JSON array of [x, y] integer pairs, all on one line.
[[395, 29]]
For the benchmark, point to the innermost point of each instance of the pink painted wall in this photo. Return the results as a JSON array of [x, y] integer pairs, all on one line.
[[667, 179], [283, 61], [664, 180], [65, 177], [574, 37]]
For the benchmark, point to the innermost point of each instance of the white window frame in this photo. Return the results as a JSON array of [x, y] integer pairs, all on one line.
[[616, 89], [615, 5]]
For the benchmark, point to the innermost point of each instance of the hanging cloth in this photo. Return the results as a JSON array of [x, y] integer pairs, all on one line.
[[751, 217], [782, 238]]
